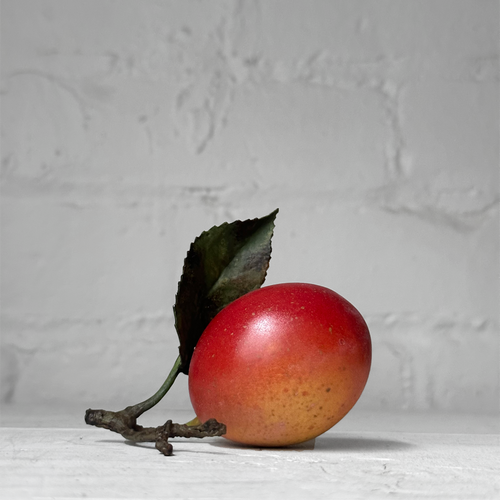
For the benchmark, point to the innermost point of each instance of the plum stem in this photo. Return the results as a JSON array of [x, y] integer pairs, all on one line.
[[124, 422], [146, 405]]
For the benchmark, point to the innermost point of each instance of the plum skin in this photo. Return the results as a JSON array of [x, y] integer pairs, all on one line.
[[281, 365]]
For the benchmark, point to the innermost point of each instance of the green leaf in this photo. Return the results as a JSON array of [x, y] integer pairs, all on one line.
[[222, 264]]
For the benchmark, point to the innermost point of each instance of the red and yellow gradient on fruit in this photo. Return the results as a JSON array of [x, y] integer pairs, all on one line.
[[281, 365]]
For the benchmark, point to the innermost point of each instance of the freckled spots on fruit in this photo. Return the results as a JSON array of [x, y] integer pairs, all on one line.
[[341, 341], [292, 411]]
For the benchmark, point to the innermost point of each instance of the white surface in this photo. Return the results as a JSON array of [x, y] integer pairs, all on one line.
[[341, 464]]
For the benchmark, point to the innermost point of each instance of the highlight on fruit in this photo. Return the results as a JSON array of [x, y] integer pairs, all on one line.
[[267, 366]]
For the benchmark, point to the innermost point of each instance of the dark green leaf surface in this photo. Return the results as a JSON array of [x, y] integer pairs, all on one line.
[[221, 265]]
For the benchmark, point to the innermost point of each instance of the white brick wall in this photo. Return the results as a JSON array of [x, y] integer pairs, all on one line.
[[128, 127]]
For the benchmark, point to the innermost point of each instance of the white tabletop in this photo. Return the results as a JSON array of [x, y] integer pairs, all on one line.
[[364, 456]]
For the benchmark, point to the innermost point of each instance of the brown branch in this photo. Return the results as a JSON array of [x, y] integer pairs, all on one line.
[[124, 422]]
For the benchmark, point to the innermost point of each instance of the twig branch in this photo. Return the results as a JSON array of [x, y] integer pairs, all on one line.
[[124, 422]]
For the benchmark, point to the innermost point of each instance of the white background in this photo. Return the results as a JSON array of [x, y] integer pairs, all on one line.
[[129, 127]]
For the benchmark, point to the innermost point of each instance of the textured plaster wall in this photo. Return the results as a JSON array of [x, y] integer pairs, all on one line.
[[128, 127]]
